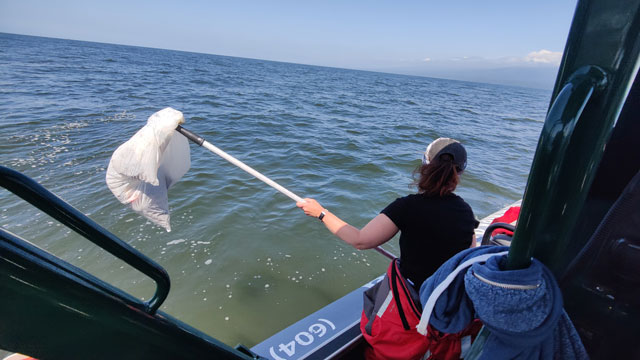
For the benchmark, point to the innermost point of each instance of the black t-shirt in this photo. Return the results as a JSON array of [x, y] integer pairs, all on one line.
[[432, 229]]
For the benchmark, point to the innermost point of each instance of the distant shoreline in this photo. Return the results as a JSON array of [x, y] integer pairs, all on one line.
[[484, 76]]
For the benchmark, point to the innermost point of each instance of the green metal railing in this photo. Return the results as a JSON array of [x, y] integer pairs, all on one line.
[[53, 310], [553, 183], [599, 65], [44, 200]]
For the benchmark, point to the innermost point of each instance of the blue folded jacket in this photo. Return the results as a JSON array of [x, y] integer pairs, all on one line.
[[521, 308]]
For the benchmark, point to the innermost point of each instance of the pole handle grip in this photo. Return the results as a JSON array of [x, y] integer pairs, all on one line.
[[190, 135]]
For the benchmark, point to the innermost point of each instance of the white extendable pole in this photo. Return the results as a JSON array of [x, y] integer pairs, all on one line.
[[214, 149], [250, 170]]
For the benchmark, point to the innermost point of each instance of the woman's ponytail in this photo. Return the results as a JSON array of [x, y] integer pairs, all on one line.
[[437, 178]]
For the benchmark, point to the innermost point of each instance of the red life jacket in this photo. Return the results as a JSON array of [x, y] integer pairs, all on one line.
[[443, 346], [391, 313], [509, 217]]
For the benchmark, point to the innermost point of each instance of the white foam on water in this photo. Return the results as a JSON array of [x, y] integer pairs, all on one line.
[[178, 241], [208, 262]]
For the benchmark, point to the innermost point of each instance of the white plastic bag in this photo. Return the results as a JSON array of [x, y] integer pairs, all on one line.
[[142, 170]]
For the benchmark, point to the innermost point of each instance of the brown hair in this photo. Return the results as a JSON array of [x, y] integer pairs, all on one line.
[[438, 178]]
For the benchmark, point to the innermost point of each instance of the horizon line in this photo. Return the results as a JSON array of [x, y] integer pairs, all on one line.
[[292, 63]]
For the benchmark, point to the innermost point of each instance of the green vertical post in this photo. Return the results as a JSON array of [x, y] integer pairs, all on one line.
[[597, 70], [558, 175]]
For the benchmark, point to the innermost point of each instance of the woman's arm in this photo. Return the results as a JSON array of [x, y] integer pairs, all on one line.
[[378, 231]]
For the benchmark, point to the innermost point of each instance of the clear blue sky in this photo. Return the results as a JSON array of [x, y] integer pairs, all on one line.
[[503, 41]]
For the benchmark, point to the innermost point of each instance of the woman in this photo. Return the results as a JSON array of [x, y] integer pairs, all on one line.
[[434, 224]]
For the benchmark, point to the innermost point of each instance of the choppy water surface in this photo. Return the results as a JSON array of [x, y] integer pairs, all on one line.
[[244, 261]]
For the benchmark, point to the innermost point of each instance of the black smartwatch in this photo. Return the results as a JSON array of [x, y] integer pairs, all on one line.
[[321, 216]]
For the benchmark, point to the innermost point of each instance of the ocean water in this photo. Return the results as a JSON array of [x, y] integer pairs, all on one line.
[[244, 262]]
